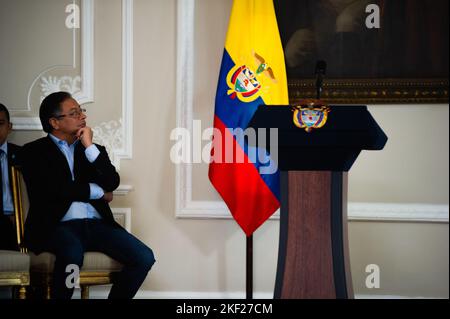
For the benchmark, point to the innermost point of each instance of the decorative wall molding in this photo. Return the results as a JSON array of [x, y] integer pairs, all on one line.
[[401, 212], [117, 136], [404, 212], [124, 133], [110, 134], [122, 215], [184, 101], [53, 84], [186, 207], [123, 190], [126, 151], [86, 92], [26, 123]]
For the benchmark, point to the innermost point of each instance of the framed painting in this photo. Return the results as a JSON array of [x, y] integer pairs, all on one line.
[[376, 51]]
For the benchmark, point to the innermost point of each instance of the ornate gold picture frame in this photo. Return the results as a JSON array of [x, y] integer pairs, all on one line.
[[372, 91]]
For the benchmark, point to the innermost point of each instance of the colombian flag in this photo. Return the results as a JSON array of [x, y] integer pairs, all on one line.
[[252, 73]]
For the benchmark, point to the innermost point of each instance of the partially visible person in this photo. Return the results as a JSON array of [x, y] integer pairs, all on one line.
[[9, 154], [70, 181]]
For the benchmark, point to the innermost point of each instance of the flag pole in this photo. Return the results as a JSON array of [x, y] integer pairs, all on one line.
[[249, 266]]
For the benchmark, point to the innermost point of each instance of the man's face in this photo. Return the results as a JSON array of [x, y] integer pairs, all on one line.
[[5, 127], [70, 119]]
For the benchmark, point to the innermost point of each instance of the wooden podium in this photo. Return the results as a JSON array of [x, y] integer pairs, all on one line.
[[313, 256]]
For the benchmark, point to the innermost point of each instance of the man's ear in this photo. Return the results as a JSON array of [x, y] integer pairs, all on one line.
[[10, 127], [54, 123]]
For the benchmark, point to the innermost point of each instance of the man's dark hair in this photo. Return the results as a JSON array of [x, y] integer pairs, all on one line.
[[51, 107], [4, 109]]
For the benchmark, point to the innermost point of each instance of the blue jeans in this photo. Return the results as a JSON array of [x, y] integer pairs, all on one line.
[[73, 238]]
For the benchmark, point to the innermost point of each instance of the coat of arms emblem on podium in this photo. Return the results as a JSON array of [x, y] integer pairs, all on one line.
[[310, 114]]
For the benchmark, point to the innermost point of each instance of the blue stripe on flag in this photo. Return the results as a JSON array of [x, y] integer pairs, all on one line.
[[232, 112], [237, 114]]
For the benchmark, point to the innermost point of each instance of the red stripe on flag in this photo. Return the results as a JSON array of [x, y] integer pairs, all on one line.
[[247, 196]]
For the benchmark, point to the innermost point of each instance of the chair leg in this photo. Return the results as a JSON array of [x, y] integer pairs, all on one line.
[[47, 291], [84, 292], [22, 292]]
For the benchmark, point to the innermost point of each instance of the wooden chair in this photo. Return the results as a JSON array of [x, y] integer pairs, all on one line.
[[15, 265], [14, 272], [97, 269]]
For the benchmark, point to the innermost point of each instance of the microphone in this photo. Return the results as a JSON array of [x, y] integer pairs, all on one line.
[[321, 67]]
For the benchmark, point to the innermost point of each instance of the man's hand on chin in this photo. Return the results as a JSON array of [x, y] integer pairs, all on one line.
[[85, 135]]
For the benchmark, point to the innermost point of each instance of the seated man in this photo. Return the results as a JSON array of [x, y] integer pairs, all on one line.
[[70, 182], [8, 156]]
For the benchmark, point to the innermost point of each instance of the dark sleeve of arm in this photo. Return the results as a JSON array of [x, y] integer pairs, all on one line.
[[46, 183], [106, 174]]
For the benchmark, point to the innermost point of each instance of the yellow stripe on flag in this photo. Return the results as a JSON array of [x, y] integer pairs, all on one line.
[[253, 37]]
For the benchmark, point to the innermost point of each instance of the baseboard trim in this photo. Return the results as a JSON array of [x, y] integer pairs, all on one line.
[[101, 292]]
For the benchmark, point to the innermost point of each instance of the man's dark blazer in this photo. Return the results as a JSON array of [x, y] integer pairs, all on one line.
[[51, 189], [8, 235]]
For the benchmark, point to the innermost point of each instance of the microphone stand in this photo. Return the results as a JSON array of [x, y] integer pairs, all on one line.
[[320, 72]]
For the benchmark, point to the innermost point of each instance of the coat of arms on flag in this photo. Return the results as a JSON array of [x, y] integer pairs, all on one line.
[[243, 81]]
